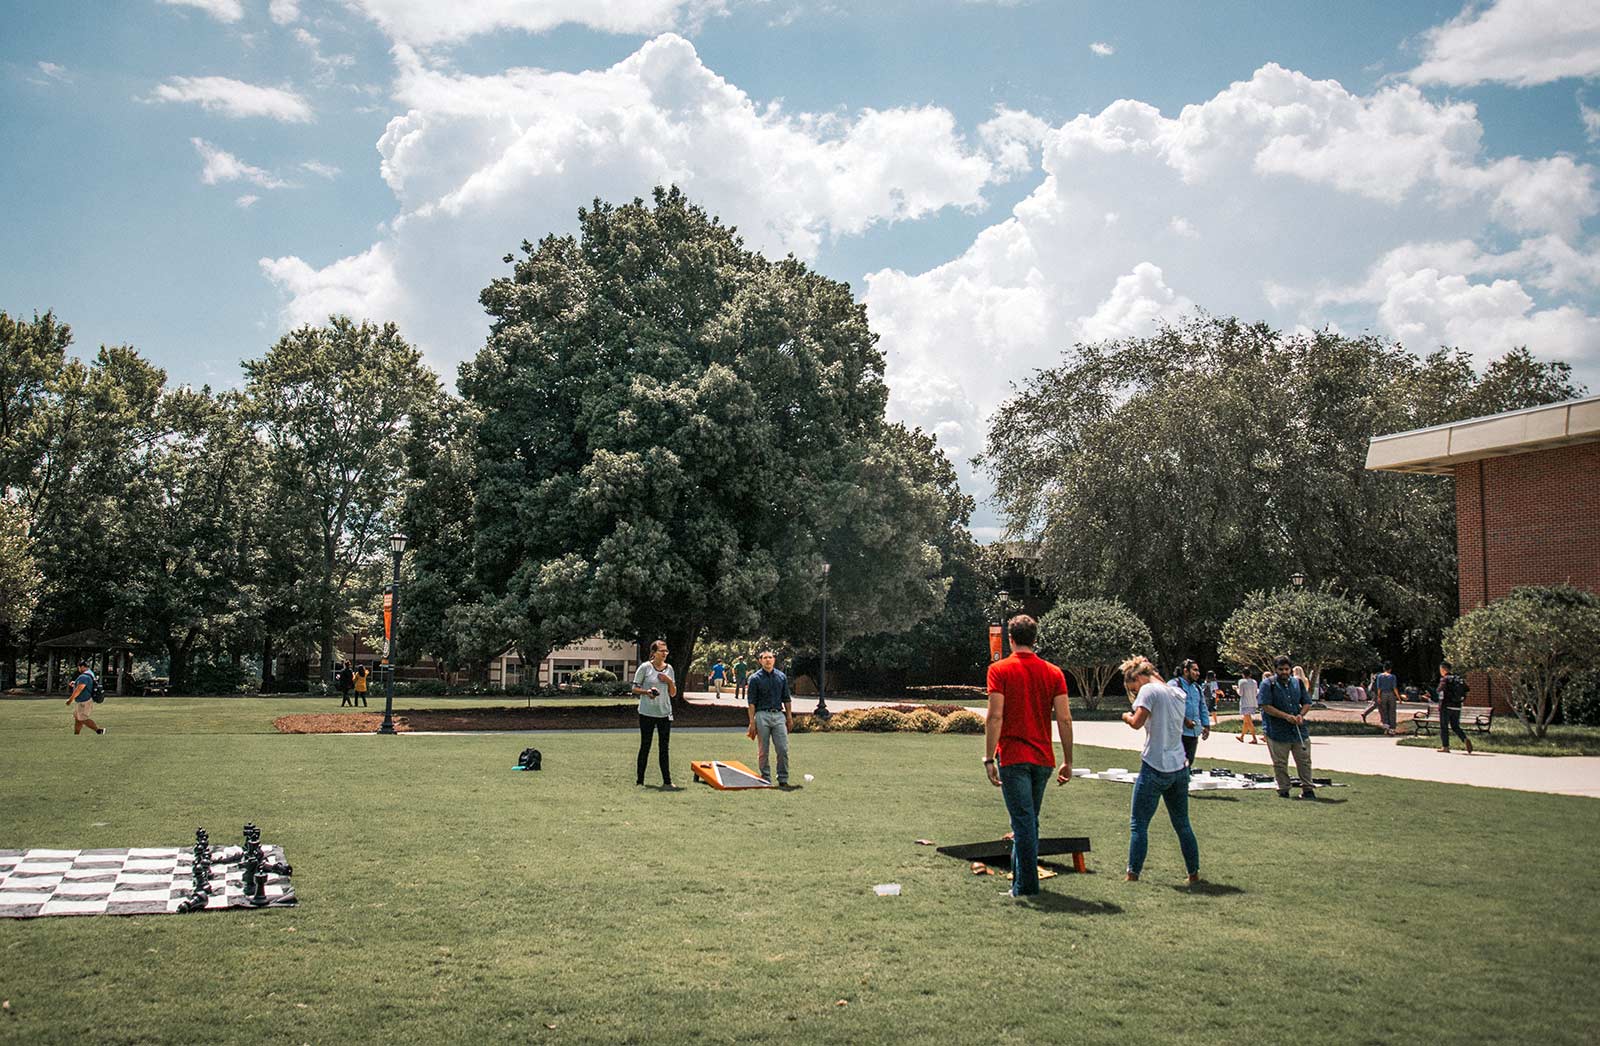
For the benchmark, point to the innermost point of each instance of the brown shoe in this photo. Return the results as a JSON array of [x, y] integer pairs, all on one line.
[[1469, 746]]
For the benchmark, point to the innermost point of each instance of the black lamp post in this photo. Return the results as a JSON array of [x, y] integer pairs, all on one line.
[[1297, 579], [397, 547], [1005, 640], [821, 711]]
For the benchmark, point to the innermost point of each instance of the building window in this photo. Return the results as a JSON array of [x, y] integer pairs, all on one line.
[[562, 672], [616, 668]]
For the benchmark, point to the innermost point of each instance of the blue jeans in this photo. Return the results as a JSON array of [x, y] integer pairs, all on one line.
[[1023, 785], [1152, 787]]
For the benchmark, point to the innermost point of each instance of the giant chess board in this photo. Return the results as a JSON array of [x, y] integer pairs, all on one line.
[[140, 881]]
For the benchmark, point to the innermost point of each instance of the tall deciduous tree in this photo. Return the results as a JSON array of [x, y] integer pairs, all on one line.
[[1179, 471], [1541, 638], [1319, 628], [333, 404], [1090, 638], [676, 432]]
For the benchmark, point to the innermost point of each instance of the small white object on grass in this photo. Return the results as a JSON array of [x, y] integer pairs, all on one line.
[[809, 778], [887, 889]]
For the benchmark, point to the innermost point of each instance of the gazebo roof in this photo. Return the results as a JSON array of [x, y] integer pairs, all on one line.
[[88, 639]]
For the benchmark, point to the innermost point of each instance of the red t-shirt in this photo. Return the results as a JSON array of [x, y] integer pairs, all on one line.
[[1031, 685]]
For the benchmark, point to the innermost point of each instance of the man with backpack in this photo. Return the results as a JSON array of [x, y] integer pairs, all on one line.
[[1452, 695], [83, 692]]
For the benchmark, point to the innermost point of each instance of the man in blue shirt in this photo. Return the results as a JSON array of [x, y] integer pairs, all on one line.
[[1284, 702], [82, 694], [771, 717], [1196, 717]]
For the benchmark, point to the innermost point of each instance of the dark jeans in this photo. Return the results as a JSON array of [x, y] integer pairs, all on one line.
[[1387, 708], [648, 725], [1152, 788], [1190, 746], [1023, 786], [1450, 719]]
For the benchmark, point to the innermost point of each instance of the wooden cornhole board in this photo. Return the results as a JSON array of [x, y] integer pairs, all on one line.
[[1000, 850], [727, 775]]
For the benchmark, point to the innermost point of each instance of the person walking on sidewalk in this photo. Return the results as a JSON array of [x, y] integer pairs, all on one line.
[[1158, 710], [1386, 691], [82, 694], [1452, 695], [771, 709], [1024, 690], [1247, 706], [1284, 703]]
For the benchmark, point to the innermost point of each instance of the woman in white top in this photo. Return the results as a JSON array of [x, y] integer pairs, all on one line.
[[656, 687], [1248, 707], [1163, 770]]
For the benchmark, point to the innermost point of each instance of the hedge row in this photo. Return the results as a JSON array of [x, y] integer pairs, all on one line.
[[893, 720]]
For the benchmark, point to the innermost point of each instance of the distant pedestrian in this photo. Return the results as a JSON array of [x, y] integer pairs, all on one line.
[[1247, 705], [1284, 703], [741, 673], [1196, 718], [1452, 695], [1025, 691], [344, 679], [1305, 681], [771, 708], [1159, 710], [719, 672], [80, 697], [655, 686], [1210, 688], [359, 681], [1386, 694]]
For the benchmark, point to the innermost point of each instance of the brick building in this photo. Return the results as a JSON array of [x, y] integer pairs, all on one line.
[[1527, 498]]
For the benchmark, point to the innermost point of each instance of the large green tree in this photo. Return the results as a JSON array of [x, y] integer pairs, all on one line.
[[333, 405], [1318, 628], [677, 432], [1179, 471], [1090, 638]]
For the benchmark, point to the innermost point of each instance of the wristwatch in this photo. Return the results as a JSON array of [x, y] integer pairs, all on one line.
[[988, 762]]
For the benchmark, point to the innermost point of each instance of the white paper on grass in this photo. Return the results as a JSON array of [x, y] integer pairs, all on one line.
[[887, 889]]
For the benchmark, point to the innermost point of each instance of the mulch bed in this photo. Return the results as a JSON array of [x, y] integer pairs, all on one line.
[[549, 717]]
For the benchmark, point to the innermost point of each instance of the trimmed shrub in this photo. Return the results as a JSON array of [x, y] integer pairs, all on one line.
[[923, 721], [805, 724], [1580, 701], [596, 682], [849, 719], [882, 720], [964, 721]]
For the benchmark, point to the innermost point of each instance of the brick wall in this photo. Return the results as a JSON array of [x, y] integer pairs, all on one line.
[[1526, 519]]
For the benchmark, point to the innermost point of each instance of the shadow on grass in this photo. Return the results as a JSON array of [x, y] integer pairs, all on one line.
[[1214, 798], [1325, 802], [1208, 889], [1060, 902]]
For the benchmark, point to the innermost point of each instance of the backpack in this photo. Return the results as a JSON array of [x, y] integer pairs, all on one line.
[[529, 759], [99, 693], [1454, 690]]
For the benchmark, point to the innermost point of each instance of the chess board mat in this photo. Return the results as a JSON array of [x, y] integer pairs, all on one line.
[[137, 881]]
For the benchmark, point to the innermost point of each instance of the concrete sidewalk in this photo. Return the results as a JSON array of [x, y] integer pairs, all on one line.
[[1555, 775]]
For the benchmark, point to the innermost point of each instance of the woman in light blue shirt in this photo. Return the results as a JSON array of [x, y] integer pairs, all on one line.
[[655, 687], [1158, 709]]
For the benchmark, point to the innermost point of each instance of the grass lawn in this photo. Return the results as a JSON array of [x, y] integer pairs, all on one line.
[[446, 899], [1511, 737]]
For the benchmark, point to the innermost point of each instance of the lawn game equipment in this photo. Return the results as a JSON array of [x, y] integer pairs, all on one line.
[[727, 775], [999, 850]]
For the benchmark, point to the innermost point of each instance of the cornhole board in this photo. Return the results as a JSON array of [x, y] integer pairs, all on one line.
[[1000, 850], [727, 775]]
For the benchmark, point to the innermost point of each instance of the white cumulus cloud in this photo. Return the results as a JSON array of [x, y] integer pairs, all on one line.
[[235, 98], [478, 163], [222, 10], [219, 165], [284, 12], [246, 201], [1520, 42], [1104, 50], [425, 23]]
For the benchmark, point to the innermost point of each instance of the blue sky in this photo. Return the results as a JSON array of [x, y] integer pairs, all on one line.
[[995, 179]]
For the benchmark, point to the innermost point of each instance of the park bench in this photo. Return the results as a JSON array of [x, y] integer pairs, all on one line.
[[1473, 717]]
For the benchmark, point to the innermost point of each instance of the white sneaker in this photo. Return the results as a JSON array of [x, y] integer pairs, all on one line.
[[101, 730]]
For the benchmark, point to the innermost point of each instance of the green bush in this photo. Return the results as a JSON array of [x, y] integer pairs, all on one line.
[[414, 687], [962, 722], [882, 721], [595, 682], [849, 719], [207, 678], [1580, 701], [923, 721]]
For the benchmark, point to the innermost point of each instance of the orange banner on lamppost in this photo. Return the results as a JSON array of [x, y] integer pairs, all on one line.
[[994, 642], [388, 623]]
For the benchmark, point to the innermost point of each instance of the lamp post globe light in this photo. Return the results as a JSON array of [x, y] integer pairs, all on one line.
[[397, 548], [821, 711], [1297, 579], [1005, 640]]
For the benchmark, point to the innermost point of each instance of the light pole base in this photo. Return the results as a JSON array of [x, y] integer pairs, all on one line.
[[386, 728]]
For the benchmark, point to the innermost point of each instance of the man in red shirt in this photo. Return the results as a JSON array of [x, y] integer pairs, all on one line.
[[1017, 753]]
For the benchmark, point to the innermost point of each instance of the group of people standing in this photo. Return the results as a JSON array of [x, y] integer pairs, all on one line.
[[351, 679], [1026, 693]]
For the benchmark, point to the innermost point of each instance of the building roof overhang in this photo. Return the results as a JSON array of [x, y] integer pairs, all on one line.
[[1439, 449]]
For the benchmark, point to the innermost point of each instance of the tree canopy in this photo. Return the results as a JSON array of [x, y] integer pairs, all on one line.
[[1090, 638], [1318, 628], [1217, 457], [1540, 638]]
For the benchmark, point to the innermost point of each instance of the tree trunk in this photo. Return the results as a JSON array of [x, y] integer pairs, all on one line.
[[680, 655], [268, 657], [8, 644], [325, 666]]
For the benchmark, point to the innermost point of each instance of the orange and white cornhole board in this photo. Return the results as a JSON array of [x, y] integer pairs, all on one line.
[[726, 774]]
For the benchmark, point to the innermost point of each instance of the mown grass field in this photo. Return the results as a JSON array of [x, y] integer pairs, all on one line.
[[447, 899]]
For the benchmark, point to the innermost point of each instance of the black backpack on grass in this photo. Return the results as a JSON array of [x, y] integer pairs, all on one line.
[[529, 759]]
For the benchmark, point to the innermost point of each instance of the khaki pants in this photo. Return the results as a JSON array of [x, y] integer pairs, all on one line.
[[1281, 750]]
